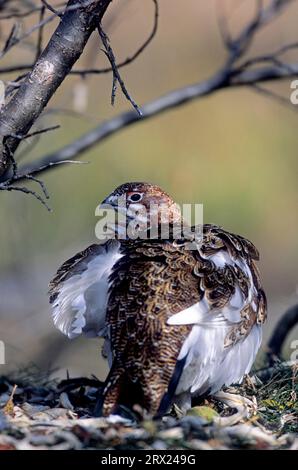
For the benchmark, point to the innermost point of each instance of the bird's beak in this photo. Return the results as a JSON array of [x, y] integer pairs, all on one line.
[[108, 201], [114, 213], [115, 203]]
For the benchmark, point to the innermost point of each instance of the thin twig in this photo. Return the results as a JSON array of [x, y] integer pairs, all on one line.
[[11, 158], [270, 57], [11, 39], [44, 22], [116, 75], [40, 34], [15, 68], [32, 134], [25, 151], [128, 60], [52, 9], [28, 33], [9, 186], [12, 86], [274, 96], [19, 14], [23, 175], [41, 184], [25, 190], [83, 72], [37, 9]]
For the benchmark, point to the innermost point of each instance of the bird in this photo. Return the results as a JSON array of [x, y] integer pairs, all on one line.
[[181, 316]]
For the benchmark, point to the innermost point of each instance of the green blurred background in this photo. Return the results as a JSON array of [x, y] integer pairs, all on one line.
[[234, 151]]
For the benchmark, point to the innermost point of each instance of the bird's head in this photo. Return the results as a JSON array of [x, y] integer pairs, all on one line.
[[141, 206]]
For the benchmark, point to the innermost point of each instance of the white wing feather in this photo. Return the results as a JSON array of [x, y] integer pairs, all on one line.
[[80, 301], [208, 363]]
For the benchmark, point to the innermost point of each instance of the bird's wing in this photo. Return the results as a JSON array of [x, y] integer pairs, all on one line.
[[228, 280], [79, 291], [226, 334]]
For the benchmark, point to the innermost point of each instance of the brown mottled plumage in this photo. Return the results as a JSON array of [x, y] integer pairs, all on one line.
[[156, 347], [145, 292]]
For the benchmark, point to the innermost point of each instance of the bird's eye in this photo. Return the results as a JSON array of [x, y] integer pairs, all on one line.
[[135, 197]]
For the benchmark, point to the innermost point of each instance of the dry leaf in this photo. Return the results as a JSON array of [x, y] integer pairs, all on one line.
[[8, 408]]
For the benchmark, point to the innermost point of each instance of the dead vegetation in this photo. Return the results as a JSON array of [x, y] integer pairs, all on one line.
[[40, 413]]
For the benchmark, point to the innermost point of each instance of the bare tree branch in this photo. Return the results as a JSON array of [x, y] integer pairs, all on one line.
[[236, 71], [223, 79], [63, 50]]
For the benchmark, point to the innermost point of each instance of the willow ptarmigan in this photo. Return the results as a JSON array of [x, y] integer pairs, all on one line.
[[177, 322]]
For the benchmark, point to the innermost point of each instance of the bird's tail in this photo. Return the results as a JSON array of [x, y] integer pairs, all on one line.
[[108, 397], [125, 388], [119, 392], [167, 398], [133, 390]]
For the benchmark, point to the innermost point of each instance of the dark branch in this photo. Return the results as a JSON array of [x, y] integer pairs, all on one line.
[[19, 39], [273, 96], [52, 9], [130, 59], [8, 185], [32, 134], [286, 323], [25, 190], [19, 13], [116, 75], [40, 34], [15, 68]]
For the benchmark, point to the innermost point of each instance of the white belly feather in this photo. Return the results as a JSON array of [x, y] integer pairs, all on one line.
[[209, 365]]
